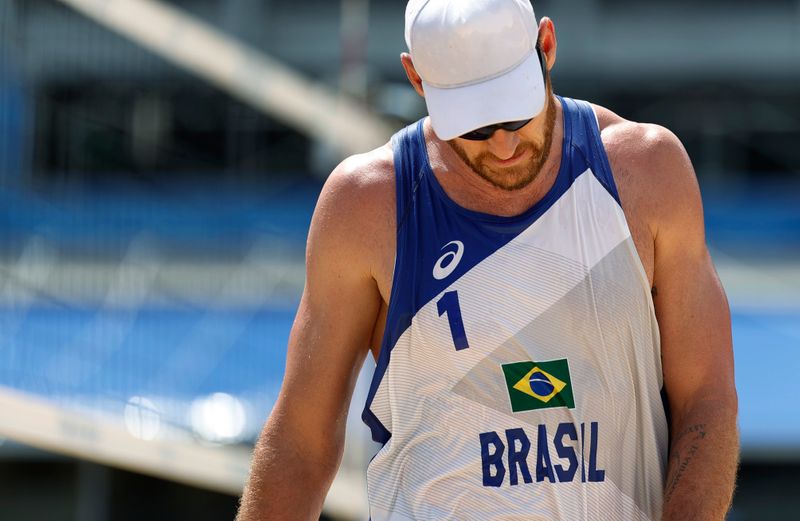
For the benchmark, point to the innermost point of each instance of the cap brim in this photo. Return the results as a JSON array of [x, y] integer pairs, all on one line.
[[516, 95]]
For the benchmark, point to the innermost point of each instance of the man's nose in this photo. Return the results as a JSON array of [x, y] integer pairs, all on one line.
[[503, 144]]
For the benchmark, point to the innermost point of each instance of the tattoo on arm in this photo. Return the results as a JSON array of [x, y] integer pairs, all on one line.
[[681, 456]]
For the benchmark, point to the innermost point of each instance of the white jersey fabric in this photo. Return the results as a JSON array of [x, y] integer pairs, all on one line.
[[520, 373]]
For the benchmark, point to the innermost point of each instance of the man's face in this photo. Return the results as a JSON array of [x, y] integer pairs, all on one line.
[[511, 160]]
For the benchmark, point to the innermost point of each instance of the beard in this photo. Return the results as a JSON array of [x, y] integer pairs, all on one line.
[[519, 176]]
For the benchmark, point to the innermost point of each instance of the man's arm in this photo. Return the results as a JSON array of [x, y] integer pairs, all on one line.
[[301, 445], [696, 346]]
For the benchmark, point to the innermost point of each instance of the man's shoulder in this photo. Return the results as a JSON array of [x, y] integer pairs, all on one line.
[[650, 165], [355, 213], [363, 175], [632, 141], [362, 184], [643, 153]]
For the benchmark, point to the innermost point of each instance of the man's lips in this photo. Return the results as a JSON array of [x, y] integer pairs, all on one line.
[[511, 161]]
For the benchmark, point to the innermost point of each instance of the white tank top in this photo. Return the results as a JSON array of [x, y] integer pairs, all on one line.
[[520, 372]]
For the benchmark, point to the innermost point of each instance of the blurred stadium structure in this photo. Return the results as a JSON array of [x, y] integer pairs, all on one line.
[[159, 163]]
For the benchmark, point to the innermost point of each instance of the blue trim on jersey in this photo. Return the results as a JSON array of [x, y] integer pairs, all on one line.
[[398, 318], [587, 135], [428, 219]]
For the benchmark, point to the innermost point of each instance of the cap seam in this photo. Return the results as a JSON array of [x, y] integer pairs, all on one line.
[[485, 78]]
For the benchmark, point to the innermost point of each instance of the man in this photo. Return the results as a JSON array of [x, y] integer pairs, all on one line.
[[531, 274]]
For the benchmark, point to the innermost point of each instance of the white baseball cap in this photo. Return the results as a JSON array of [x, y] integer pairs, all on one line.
[[477, 60]]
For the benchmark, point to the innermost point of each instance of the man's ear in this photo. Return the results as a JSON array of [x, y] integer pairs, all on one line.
[[411, 72], [547, 41]]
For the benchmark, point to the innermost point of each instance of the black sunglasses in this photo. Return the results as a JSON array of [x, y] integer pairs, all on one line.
[[484, 133]]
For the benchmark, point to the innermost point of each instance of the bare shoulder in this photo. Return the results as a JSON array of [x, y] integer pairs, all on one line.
[[652, 151], [354, 217], [652, 170], [361, 185]]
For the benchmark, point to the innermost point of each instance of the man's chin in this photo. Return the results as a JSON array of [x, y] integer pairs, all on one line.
[[509, 181], [511, 178]]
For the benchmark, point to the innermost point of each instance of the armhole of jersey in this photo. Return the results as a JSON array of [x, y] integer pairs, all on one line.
[[404, 188], [606, 178], [599, 156]]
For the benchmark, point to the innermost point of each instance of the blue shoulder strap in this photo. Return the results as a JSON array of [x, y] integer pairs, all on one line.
[[587, 142], [409, 159], [409, 167]]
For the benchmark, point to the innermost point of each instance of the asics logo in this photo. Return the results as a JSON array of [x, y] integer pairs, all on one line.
[[448, 262]]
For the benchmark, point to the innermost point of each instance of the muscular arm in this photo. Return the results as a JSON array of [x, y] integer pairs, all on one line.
[[301, 445], [697, 356]]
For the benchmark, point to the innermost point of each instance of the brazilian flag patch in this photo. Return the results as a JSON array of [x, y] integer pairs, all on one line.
[[539, 385]]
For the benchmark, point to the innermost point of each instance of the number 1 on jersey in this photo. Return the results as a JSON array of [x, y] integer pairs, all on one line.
[[449, 304]]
